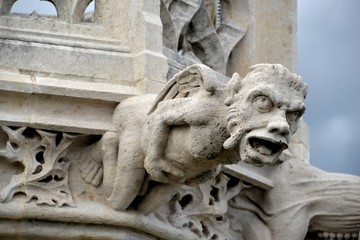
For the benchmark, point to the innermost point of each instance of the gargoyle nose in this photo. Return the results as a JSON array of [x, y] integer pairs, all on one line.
[[279, 127]]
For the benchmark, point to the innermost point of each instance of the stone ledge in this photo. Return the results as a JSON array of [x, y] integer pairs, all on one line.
[[59, 104], [115, 67], [250, 174], [70, 40], [26, 83], [35, 229], [60, 113], [30, 221]]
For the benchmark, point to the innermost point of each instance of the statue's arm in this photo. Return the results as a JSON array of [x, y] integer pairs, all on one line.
[[183, 111]]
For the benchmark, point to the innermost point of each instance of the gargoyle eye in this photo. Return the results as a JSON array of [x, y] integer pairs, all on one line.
[[263, 103], [292, 116]]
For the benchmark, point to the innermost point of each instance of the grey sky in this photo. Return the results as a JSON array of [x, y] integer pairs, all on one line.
[[28, 6], [329, 60], [43, 7]]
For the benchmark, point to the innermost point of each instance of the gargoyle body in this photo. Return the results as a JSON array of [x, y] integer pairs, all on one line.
[[192, 127]]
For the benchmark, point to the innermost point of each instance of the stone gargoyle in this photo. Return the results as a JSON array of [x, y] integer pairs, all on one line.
[[193, 126]]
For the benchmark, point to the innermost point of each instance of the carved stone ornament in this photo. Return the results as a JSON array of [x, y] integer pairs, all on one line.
[[161, 174], [193, 126], [41, 156], [204, 31]]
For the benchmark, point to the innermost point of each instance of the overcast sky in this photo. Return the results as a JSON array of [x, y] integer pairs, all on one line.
[[329, 61]]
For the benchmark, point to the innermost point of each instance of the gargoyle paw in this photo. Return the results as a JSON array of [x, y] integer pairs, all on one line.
[[91, 171], [163, 171]]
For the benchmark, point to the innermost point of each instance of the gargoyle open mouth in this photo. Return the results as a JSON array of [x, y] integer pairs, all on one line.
[[267, 146]]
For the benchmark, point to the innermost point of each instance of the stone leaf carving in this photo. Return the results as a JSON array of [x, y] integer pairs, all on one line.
[[45, 174], [176, 16], [193, 126], [201, 208], [202, 30]]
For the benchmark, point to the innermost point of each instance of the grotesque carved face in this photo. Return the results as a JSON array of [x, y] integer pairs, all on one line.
[[264, 113]]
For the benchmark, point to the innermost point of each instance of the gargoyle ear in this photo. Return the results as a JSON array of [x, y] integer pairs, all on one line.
[[232, 88]]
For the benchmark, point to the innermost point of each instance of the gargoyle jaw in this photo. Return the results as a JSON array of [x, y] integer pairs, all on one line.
[[267, 147], [263, 150]]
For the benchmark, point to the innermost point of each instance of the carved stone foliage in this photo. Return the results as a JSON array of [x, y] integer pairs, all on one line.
[[204, 31], [202, 208], [42, 167]]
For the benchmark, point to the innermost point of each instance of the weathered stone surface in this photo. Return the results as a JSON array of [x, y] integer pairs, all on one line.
[[84, 153], [106, 50], [247, 120], [203, 31], [303, 199], [271, 36]]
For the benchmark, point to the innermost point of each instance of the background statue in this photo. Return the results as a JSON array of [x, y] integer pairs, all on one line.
[[195, 124], [304, 198]]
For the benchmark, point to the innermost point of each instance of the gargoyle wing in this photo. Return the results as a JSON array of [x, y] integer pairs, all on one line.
[[195, 79]]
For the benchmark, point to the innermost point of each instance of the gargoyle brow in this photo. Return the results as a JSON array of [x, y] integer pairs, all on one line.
[[262, 90], [298, 106]]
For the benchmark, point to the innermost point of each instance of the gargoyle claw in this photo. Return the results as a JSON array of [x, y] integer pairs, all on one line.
[[162, 171]]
